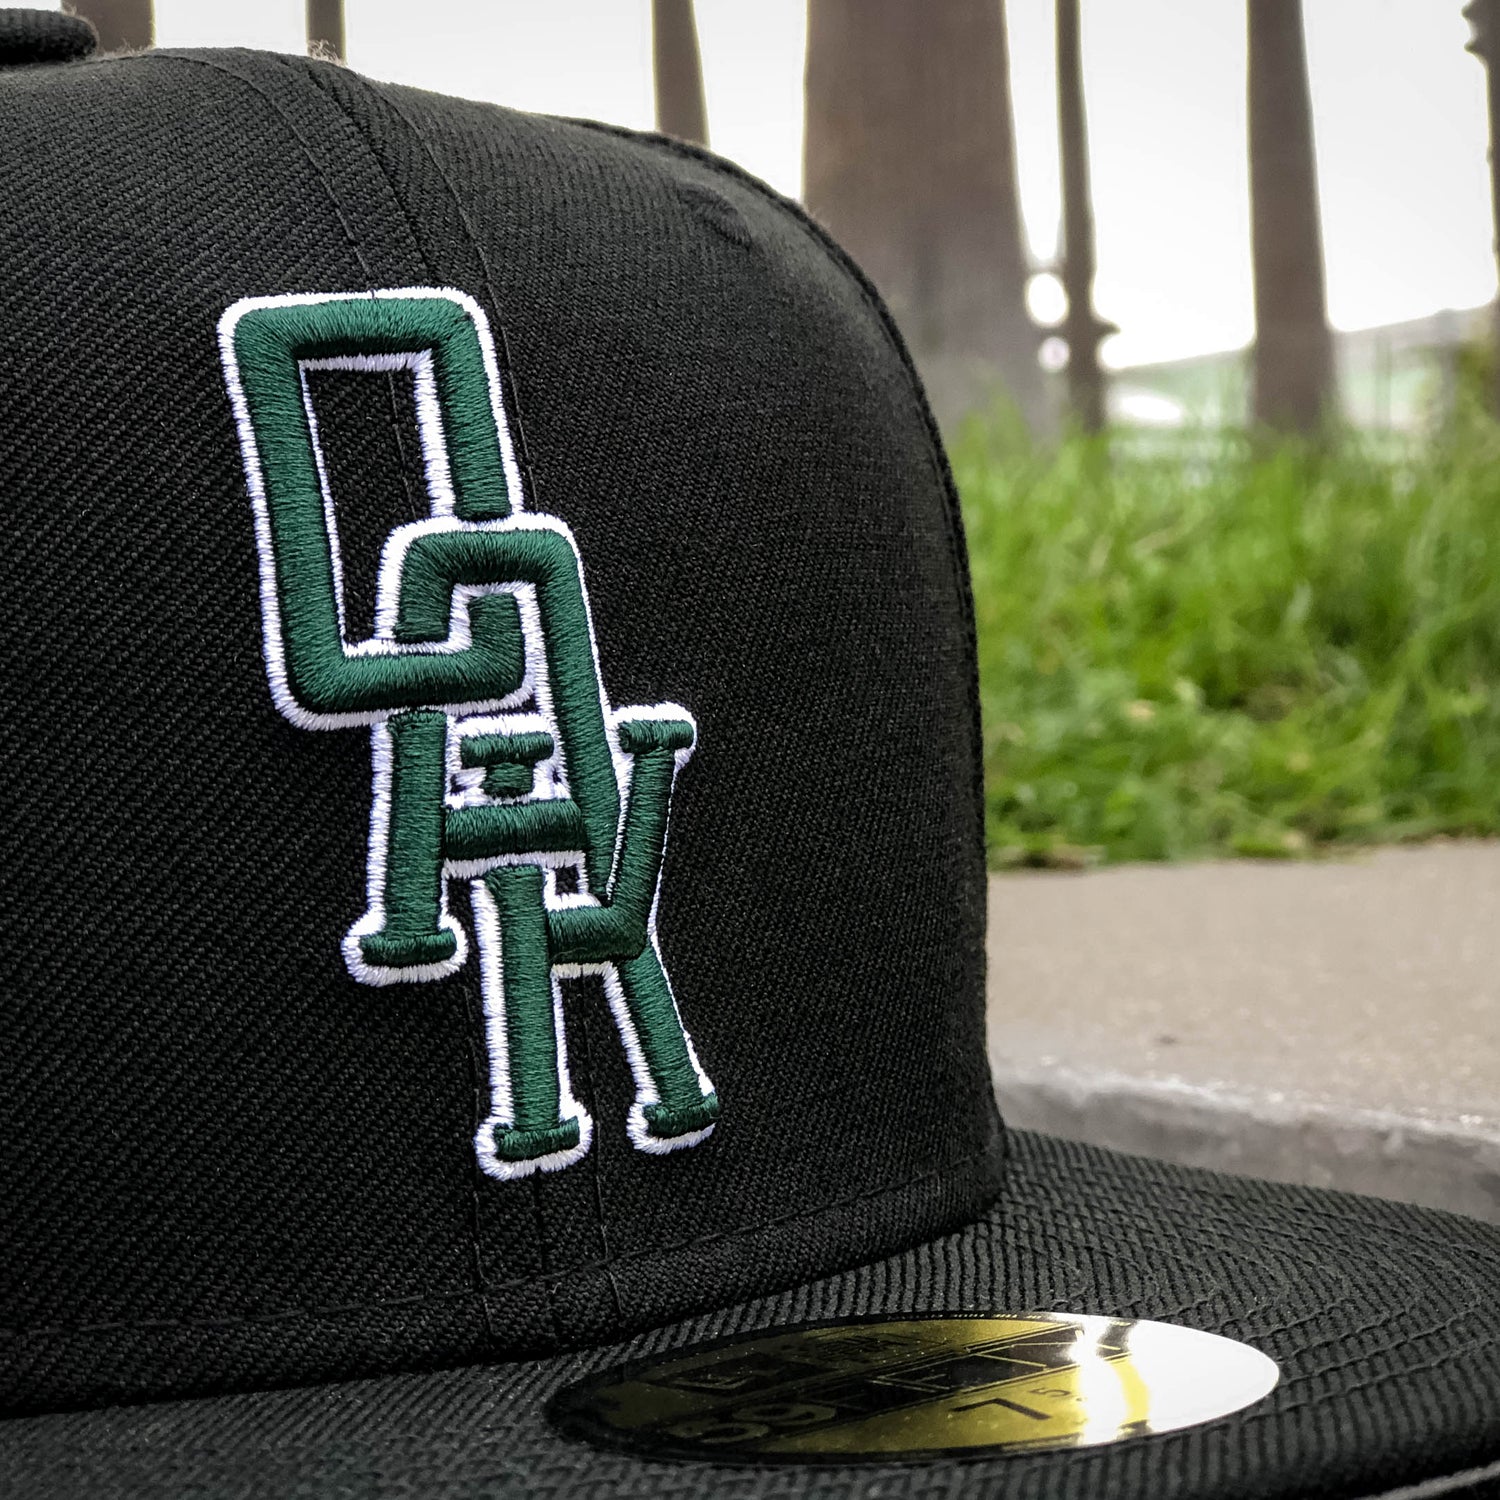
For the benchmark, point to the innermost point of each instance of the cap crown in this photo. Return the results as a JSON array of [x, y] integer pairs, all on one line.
[[496, 856]]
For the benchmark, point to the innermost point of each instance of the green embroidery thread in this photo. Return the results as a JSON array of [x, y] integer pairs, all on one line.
[[496, 756]]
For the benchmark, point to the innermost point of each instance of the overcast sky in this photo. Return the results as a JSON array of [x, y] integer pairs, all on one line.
[[1398, 110]]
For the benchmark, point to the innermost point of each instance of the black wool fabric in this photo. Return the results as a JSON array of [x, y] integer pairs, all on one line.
[[1383, 1318], [32, 37], [228, 1164]]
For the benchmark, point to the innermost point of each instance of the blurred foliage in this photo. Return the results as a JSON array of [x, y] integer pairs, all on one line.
[[1205, 648], [1473, 393]]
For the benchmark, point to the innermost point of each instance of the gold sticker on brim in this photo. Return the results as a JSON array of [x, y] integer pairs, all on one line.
[[917, 1387]]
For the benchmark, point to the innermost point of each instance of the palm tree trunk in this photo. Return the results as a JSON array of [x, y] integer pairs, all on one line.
[[1293, 376], [909, 160], [680, 109], [1081, 329], [1484, 17], [122, 25], [325, 29]]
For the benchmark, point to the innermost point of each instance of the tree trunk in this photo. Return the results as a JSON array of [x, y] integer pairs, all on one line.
[[122, 25], [909, 159], [1293, 374], [325, 29], [680, 110], [1484, 17], [1081, 329]]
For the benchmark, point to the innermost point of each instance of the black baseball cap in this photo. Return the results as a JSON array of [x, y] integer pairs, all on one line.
[[495, 889]]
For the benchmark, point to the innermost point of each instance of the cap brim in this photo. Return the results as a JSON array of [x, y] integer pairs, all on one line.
[[1384, 1319]]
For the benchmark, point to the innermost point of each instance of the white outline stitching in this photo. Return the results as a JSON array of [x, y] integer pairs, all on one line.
[[463, 719]]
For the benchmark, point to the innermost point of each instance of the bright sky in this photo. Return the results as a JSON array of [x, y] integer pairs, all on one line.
[[1398, 112]]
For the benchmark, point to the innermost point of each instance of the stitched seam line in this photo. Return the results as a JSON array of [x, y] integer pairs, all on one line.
[[424, 1298], [498, 324], [511, 394], [472, 1025], [202, 62], [594, 1173], [321, 93]]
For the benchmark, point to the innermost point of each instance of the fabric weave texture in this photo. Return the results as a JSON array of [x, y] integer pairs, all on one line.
[[1383, 1317], [230, 1164]]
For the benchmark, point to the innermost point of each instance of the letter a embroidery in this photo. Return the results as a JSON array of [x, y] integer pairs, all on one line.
[[496, 757]]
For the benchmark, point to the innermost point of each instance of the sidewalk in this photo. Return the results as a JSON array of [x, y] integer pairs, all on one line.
[[1331, 1023]]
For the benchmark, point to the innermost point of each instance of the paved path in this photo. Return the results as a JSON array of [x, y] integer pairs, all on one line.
[[1335, 1023]]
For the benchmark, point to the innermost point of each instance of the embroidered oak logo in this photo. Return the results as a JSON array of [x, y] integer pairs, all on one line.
[[496, 756]]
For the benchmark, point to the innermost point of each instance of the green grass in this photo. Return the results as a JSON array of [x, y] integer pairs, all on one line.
[[1203, 651]]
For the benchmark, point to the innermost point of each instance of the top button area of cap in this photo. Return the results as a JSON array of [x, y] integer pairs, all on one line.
[[43, 36]]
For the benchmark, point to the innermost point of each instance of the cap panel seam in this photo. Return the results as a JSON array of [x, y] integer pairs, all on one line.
[[510, 395], [995, 1147], [496, 305], [355, 246], [595, 1175], [324, 180], [319, 170], [159, 58]]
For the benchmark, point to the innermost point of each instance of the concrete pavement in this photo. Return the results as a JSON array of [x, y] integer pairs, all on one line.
[[1335, 1023]]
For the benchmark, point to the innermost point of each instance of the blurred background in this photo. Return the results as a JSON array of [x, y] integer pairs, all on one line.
[[1397, 119], [1203, 292], [1119, 239]]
